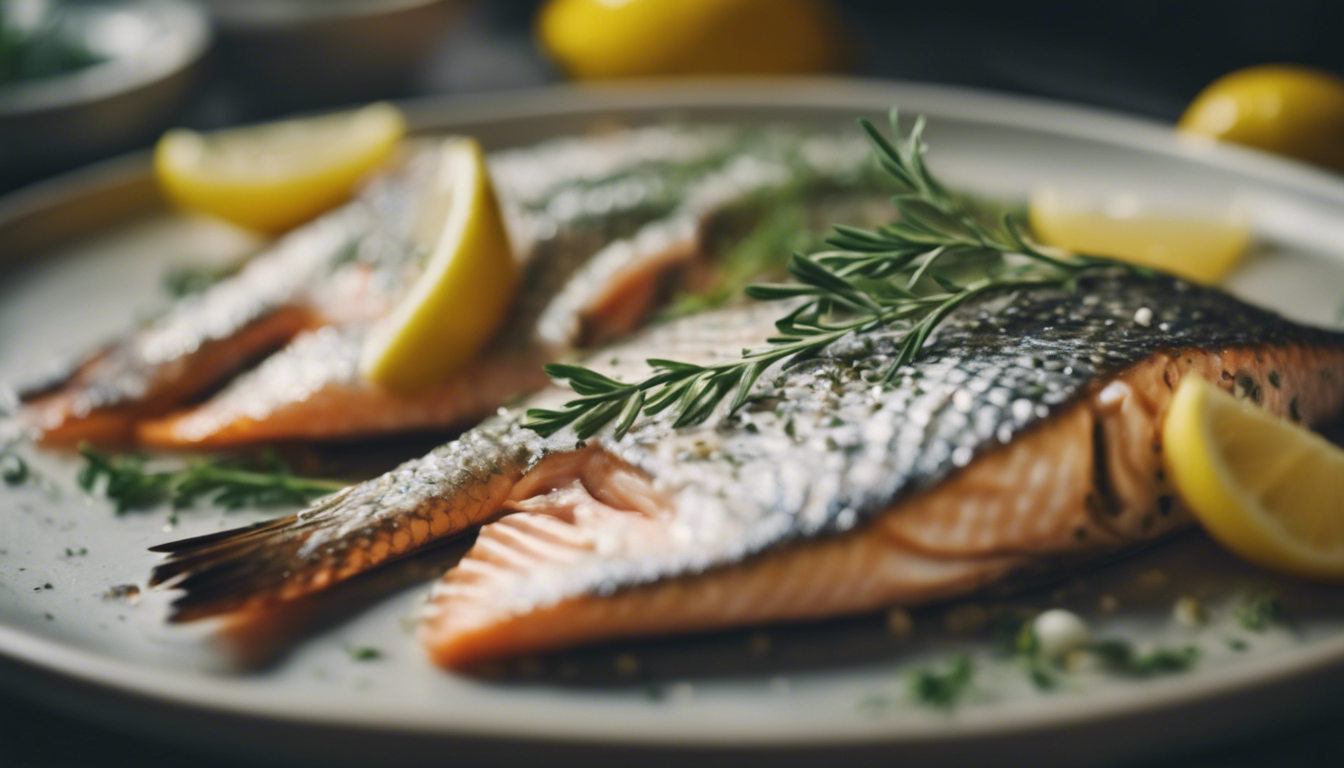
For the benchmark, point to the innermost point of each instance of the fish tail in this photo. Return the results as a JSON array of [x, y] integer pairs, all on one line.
[[256, 566]]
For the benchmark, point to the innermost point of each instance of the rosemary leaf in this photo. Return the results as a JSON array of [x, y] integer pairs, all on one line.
[[883, 278]]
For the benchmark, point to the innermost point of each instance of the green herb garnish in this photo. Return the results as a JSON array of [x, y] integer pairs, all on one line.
[[1258, 611], [942, 687], [1120, 656], [129, 482], [1026, 646], [13, 469], [364, 653], [909, 275]]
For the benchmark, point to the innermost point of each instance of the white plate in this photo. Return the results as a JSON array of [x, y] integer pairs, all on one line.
[[718, 698]]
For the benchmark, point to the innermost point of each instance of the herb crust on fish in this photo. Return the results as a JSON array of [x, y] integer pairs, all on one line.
[[1026, 434]]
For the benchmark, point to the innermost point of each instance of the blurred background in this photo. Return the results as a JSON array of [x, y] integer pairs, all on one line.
[[81, 80]]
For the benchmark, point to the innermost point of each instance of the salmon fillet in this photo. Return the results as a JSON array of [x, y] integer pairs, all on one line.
[[348, 268], [1088, 482], [603, 255], [1025, 437]]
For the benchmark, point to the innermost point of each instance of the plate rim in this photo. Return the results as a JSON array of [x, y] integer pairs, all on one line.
[[207, 695]]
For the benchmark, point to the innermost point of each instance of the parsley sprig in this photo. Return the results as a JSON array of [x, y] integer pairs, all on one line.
[[938, 254], [131, 484]]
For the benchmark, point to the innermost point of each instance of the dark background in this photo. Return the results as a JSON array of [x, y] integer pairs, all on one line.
[[1144, 57]]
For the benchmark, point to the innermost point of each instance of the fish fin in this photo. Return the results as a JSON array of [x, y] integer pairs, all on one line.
[[251, 566]]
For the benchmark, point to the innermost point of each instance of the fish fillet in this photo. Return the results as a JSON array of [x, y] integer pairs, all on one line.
[[573, 295], [1025, 436], [350, 266]]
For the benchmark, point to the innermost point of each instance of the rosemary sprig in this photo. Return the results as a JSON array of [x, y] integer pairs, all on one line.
[[129, 482], [909, 275]]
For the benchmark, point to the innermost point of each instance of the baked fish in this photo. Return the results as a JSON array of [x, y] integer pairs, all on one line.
[[1026, 435], [605, 226]]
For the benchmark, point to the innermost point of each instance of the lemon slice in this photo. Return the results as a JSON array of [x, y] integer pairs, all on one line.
[[1294, 111], [1203, 248], [272, 177], [641, 38], [1267, 489], [463, 294]]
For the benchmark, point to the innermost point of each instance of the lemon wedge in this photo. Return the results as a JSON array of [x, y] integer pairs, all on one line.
[[1267, 489], [631, 38], [1201, 247], [1289, 110], [274, 176], [463, 294]]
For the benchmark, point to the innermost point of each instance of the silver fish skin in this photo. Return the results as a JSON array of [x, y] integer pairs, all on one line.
[[822, 450], [348, 268], [319, 274], [436, 497], [1027, 437], [578, 287]]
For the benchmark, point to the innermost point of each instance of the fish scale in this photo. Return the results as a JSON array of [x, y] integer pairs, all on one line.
[[1043, 349], [823, 452], [599, 254], [349, 266]]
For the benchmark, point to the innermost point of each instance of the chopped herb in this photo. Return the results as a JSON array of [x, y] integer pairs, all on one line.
[[1121, 657], [942, 687], [129, 482], [13, 469], [364, 653], [76, 551], [1274, 379], [1237, 644], [1258, 611], [1024, 644], [1041, 673]]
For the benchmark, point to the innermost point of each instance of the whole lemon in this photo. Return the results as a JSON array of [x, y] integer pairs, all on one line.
[[1289, 110], [630, 38]]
